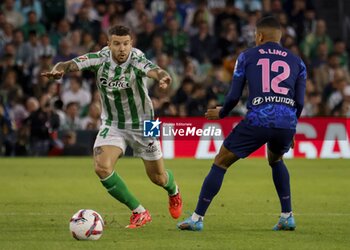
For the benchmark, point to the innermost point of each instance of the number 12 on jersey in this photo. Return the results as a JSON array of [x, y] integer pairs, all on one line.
[[274, 82]]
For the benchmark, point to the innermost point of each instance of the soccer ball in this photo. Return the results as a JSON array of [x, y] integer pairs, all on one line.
[[86, 224]]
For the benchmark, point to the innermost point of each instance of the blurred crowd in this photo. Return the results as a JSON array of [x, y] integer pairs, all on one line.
[[197, 42]]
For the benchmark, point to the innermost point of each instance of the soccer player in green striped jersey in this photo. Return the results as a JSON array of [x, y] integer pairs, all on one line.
[[121, 73]]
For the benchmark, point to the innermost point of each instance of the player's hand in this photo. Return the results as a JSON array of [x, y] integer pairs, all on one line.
[[293, 142], [164, 82], [213, 114], [53, 74]]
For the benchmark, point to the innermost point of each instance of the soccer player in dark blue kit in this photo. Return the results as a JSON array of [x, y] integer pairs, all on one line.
[[276, 81]]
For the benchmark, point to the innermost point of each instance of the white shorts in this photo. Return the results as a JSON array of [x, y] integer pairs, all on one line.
[[148, 148]]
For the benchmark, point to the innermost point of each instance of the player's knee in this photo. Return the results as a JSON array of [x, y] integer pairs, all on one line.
[[103, 168], [159, 179], [220, 160], [272, 162]]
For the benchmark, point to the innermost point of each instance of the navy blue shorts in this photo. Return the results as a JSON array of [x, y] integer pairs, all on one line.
[[244, 139]]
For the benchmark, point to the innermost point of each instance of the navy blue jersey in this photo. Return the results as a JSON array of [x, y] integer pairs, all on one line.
[[276, 83]]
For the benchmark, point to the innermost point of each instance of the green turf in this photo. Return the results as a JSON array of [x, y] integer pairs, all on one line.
[[38, 197]]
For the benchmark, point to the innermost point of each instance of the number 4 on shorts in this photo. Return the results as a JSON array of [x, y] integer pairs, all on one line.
[[104, 133]]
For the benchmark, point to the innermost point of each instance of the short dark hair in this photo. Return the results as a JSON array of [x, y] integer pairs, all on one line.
[[268, 22], [119, 30]]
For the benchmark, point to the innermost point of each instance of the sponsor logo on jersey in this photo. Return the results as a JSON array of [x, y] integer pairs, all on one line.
[[119, 84], [275, 99]]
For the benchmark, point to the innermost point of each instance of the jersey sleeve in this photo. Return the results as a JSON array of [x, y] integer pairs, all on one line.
[[237, 85], [90, 61], [142, 63], [300, 87]]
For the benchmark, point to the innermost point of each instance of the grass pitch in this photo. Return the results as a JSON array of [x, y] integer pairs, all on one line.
[[38, 197]]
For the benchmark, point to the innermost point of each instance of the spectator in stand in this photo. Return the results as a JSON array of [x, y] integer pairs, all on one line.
[[340, 50], [114, 10], [331, 87], [76, 93], [32, 105], [313, 100], [195, 17], [102, 41], [33, 49], [42, 124], [137, 15], [118, 18], [310, 43], [32, 25], [73, 7], [248, 5], [7, 132], [9, 87], [321, 58], [203, 45], [11, 14], [75, 39], [287, 29], [228, 40], [226, 15], [53, 11], [175, 40], [73, 121], [8, 62], [84, 22], [325, 73], [145, 37], [41, 84], [248, 30], [197, 103], [337, 97], [163, 61], [87, 42], [62, 31], [45, 46], [45, 63], [18, 42], [25, 6], [184, 92], [156, 48], [92, 121], [6, 33], [192, 69], [309, 23], [71, 147], [65, 52]]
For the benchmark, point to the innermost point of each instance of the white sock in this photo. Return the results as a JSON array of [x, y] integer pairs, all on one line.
[[286, 215], [139, 209], [196, 217]]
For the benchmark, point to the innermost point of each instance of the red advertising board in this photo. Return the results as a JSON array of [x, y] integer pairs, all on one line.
[[199, 138]]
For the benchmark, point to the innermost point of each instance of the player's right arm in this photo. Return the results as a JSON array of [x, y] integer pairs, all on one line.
[[60, 69], [89, 61]]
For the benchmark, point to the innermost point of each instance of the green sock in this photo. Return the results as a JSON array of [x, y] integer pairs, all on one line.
[[170, 186], [117, 188]]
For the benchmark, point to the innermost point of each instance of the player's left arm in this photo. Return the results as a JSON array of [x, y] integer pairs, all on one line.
[[300, 87], [234, 94], [161, 76]]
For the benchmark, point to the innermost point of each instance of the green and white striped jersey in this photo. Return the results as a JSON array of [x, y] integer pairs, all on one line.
[[124, 96]]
